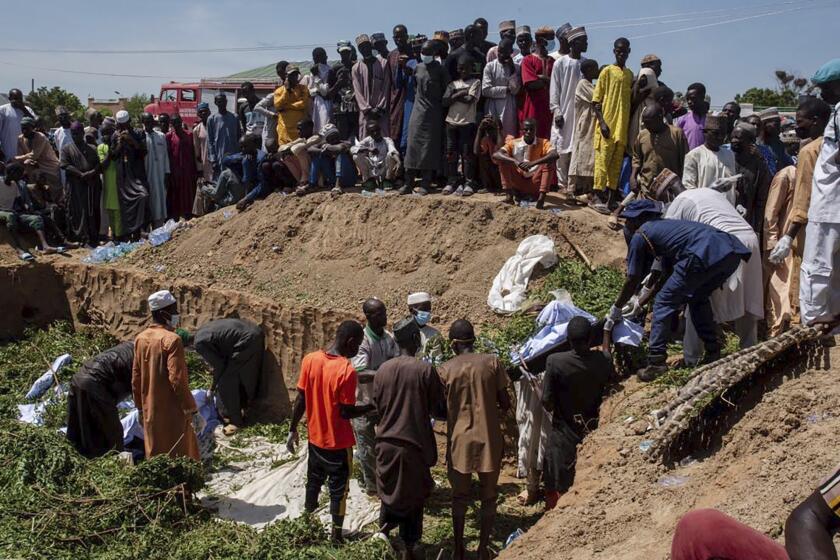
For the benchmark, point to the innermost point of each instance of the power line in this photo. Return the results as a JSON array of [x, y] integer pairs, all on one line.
[[89, 73]]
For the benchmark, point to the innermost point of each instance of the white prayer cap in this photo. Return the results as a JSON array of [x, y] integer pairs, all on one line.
[[160, 300], [419, 297], [122, 117]]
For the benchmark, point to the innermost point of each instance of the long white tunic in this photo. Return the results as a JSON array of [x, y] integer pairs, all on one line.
[[321, 106], [157, 166], [10, 128], [499, 87], [825, 188], [564, 80], [703, 167], [744, 292]]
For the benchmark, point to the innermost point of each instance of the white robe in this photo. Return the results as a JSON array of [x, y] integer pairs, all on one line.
[[499, 88], [10, 128], [321, 106], [564, 80], [703, 167], [743, 293], [157, 166]]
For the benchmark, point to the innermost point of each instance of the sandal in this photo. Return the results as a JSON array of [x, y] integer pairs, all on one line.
[[303, 190]]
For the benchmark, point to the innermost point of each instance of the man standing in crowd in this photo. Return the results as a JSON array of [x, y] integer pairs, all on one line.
[[536, 71], [110, 194], [564, 80], [611, 104], [370, 88], [380, 45], [326, 392], [420, 309], [93, 421], [524, 41], [376, 158], [732, 112], [507, 30], [181, 193], [157, 169], [483, 30], [693, 122], [527, 165], [161, 386], [582, 166], [573, 387], [61, 134], [250, 121], [461, 98], [754, 184], [202, 146], [292, 102], [234, 349], [345, 107], [80, 163], [316, 83], [771, 124], [471, 49], [10, 116], [712, 161], [476, 399], [222, 134], [790, 212], [500, 86], [659, 146], [39, 159], [397, 77], [407, 393], [128, 148], [377, 347]]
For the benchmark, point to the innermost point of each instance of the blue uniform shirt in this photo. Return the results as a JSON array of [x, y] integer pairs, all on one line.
[[677, 240]]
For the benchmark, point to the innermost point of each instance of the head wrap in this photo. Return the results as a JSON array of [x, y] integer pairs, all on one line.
[[579, 329], [378, 38], [123, 117], [456, 34], [769, 114], [507, 25], [61, 110], [716, 122], [419, 297], [361, 39], [648, 58], [76, 125], [27, 121], [523, 30], [828, 72], [562, 32], [344, 46], [406, 330], [652, 82], [575, 33], [640, 207], [202, 105], [328, 129], [161, 299], [545, 31]]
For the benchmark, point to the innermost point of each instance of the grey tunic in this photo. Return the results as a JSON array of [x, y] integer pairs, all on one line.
[[425, 128]]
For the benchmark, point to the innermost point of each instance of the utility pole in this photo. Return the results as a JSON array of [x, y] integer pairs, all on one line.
[[32, 88]]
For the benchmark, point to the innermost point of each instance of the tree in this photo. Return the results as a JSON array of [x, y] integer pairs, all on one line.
[[135, 105], [45, 100], [786, 93]]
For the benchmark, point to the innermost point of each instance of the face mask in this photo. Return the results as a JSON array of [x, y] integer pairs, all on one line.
[[550, 45], [427, 58], [174, 320], [422, 317]]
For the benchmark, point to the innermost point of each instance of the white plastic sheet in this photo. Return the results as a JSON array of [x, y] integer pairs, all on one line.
[[508, 291]]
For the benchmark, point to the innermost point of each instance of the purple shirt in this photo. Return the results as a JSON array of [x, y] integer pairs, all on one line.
[[692, 127]]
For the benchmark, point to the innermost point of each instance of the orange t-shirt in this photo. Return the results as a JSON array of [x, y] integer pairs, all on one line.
[[327, 382]]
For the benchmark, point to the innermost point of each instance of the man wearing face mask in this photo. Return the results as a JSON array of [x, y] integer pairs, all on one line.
[[420, 309], [161, 386]]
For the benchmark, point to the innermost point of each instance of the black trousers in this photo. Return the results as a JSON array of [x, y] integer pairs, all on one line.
[[410, 524], [331, 466], [93, 423]]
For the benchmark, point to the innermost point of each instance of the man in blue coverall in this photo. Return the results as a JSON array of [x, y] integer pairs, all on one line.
[[699, 258]]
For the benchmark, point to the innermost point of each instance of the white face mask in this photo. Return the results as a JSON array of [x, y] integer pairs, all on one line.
[[427, 58], [174, 320]]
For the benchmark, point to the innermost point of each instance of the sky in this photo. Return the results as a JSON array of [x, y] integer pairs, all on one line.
[[729, 46]]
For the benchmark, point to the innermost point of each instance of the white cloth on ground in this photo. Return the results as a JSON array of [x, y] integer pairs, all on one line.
[[509, 286], [48, 378]]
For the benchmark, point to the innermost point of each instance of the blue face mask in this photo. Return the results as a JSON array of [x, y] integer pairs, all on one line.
[[550, 46], [422, 317]]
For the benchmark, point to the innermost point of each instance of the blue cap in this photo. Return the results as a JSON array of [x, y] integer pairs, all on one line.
[[640, 207], [202, 105], [828, 72]]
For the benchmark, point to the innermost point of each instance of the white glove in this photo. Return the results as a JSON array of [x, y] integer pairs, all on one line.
[[741, 210], [292, 441], [632, 308], [615, 313], [781, 250], [198, 422], [608, 324]]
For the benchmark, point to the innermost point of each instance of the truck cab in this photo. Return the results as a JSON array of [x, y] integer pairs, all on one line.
[[177, 98]]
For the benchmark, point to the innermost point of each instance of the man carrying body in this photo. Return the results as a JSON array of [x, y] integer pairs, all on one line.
[[234, 349], [526, 164], [377, 159], [789, 211], [564, 80], [377, 348], [476, 399], [700, 259], [326, 392], [712, 161], [222, 134], [659, 146], [573, 387], [407, 393], [370, 88], [611, 104], [10, 116], [157, 169], [161, 387], [693, 122], [93, 421]]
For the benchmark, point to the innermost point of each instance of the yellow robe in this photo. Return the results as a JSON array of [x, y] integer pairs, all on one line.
[[162, 394], [612, 91], [292, 106]]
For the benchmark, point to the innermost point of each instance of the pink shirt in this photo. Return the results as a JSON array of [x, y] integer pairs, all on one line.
[[692, 127]]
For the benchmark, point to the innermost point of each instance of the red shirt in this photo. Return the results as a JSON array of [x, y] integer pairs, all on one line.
[[327, 382]]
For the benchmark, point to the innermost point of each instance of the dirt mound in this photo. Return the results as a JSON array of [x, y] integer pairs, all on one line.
[[333, 253], [622, 507]]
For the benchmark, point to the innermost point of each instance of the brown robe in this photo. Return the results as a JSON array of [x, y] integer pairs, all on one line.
[[162, 393], [371, 89]]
